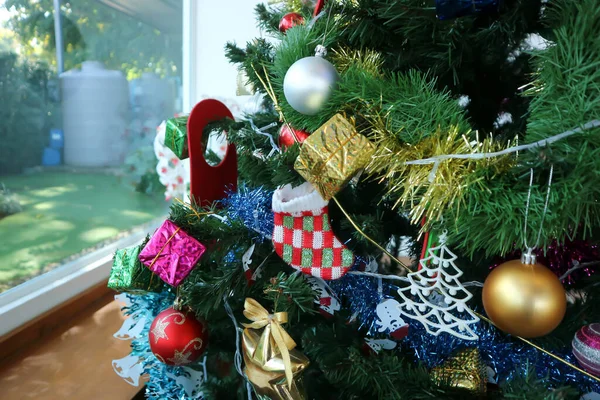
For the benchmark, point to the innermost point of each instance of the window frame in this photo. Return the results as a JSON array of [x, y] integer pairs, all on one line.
[[38, 295], [189, 73], [31, 299]]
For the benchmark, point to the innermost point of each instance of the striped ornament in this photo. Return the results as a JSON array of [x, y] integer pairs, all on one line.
[[586, 348]]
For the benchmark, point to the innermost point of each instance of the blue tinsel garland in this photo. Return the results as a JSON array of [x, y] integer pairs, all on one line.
[[160, 386], [253, 207], [506, 357]]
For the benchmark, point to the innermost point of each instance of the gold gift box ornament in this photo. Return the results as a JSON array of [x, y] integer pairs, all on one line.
[[272, 364], [332, 155]]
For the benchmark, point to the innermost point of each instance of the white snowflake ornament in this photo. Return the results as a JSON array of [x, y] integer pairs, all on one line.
[[130, 368], [190, 381], [173, 173], [389, 318], [492, 375], [123, 298], [372, 266], [246, 262], [328, 304], [380, 344], [132, 327], [257, 273], [447, 311]]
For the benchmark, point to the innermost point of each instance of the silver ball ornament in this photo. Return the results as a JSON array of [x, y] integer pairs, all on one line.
[[309, 83]]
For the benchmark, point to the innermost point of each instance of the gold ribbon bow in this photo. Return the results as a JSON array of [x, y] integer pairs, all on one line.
[[261, 318]]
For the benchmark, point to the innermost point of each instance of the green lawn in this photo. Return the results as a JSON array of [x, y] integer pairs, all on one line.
[[64, 214]]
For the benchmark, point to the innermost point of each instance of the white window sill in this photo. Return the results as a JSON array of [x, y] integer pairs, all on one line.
[[33, 298]]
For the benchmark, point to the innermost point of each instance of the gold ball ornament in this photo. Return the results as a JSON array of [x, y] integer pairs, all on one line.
[[524, 298]]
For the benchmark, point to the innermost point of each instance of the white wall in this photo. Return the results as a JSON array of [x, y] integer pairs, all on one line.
[[213, 24]]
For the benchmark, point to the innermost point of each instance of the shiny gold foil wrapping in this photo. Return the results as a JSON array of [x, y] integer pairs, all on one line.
[[463, 370], [265, 367], [332, 155]]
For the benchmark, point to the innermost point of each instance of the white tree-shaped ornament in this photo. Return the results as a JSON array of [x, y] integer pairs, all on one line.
[[438, 278]]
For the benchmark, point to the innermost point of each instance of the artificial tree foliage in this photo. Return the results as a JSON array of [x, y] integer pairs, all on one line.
[[417, 87]]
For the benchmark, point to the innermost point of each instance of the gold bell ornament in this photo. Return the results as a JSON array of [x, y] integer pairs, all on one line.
[[272, 364], [463, 370]]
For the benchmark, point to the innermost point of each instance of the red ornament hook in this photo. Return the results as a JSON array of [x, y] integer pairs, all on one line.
[[209, 184], [318, 7]]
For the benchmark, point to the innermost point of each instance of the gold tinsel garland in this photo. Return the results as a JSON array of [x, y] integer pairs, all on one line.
[[429, 189], [289, 5], [367, 60]]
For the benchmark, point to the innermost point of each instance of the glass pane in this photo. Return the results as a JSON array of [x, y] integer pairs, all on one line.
[[77, 163]]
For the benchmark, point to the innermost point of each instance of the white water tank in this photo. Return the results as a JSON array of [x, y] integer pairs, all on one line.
[[95, 108], [153, 97]]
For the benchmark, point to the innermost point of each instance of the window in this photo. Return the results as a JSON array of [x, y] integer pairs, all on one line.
[[77, 165]]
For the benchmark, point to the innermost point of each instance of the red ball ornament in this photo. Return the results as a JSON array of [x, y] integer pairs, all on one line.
[[177, 337], [290, 20], [286, 137]]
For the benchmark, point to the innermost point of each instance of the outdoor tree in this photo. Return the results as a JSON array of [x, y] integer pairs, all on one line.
[[93, 31], [23, 97], [8, 42]]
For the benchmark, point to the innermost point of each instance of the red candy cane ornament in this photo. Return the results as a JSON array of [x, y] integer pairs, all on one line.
[[207, 183]]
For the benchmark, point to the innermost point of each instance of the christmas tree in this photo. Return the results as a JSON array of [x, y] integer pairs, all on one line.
[[468, 129]]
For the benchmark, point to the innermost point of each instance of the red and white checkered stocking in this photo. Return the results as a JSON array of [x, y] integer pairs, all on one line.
[[303, 237]]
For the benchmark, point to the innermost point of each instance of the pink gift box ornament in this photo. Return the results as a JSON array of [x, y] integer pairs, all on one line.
[[171, 253]]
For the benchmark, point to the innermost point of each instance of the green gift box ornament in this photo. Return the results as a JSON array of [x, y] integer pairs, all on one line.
[[128, 274], [176, 136]]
